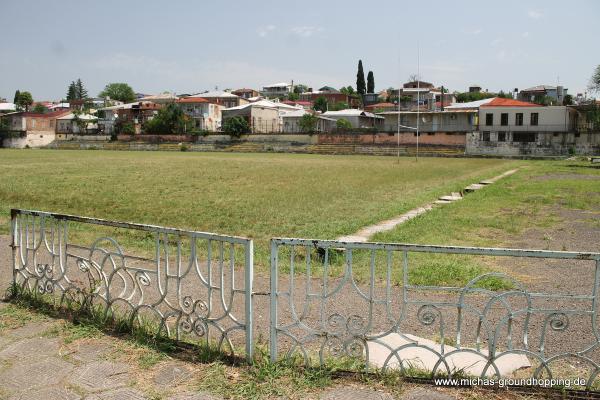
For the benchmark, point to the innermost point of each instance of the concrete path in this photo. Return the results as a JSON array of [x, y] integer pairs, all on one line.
[[425, 357], [366, 233]]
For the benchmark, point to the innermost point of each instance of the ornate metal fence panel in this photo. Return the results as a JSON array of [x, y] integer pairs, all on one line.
[[372, 305], [191, 286]]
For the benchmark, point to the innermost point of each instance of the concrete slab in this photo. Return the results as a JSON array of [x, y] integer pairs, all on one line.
[[424, 357], [473, 187], [172, 374], [425, 394], [27, 376], [33, 329], [100, 375], [450, 198], [350, 393], [31, 348], [51, 393], [120, 394]]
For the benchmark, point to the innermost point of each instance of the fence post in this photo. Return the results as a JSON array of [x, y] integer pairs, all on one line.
[[273, 315], [13, 244], [249, 271]]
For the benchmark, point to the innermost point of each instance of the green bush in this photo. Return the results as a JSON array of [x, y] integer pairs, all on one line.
[[236, 126], [343, 124]]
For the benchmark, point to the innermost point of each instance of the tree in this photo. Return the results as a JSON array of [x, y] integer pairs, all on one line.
[[348, 90], [308, 123], [370, 82], [17, 94], [81, 91], [167, 121], [300, 88], [236, 126], [595, 81], [507, 95], [341, 105], [568, 100], [293, 96], [39, 109], [343, 124], [24, 101], [320, 104], [72, 92], [118, 91], [360, 79], [473, 96]]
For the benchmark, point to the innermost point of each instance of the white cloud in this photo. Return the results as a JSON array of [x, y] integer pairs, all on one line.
[[525, 34], [497, 41], [535, 14], [501, 55], [263, 31], [305, 31]]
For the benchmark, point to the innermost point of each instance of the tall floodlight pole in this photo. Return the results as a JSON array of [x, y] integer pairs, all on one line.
[[398, 101], [418, 99]]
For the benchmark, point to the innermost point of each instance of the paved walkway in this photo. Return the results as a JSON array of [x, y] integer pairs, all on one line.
[[364, 234]]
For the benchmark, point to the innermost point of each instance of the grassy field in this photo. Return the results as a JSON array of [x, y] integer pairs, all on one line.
[[254, 195]]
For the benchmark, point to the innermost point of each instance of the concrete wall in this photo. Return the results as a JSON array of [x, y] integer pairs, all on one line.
[[546, 144], [410, 138], [33, 139], [92, 138]]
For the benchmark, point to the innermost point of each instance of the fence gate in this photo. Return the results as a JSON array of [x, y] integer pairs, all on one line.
[[192, 286], [411, 307]]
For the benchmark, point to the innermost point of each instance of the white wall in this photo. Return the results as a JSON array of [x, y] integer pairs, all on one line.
[[550, 119], [37, 139]]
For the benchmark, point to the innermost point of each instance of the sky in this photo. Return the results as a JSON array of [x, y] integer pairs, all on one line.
[[190, 46]]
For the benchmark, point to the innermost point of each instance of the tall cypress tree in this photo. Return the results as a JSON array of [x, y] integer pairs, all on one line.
[[81, 91], [360, 79], [370, 82], [17, 95], [72, 92]]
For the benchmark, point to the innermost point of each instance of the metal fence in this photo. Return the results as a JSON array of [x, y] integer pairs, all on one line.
[[363, 304], [192, 286]]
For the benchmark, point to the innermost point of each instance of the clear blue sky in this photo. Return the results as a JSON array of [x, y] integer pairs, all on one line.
[[189, 46]]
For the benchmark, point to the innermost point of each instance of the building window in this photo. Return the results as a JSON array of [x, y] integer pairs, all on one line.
[[534, 118], [502, 136], [524, 137], [519, 119], [489, 119], [485, 136], [504, 119]]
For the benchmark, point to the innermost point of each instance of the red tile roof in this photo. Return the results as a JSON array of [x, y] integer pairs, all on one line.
[[502, 102], [300, 102], [192, 100], [52, 114]]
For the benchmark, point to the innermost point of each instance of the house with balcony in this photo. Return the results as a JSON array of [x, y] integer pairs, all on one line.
[[206, 115], [276, 90], [136, 113], [510, 127]]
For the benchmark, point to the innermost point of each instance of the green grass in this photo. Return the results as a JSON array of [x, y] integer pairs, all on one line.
[[254, 195], [531, 198]]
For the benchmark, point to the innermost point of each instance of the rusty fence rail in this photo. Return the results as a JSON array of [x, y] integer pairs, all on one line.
[[191, 286]]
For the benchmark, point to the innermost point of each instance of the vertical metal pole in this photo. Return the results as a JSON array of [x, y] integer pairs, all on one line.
[[249, 261], [273, 317], [13, 230]]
